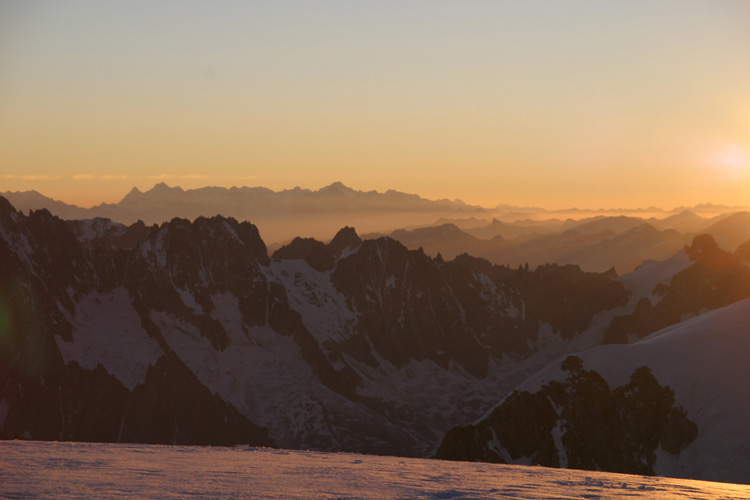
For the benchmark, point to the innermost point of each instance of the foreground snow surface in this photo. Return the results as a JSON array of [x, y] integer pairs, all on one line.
[[30, 469]]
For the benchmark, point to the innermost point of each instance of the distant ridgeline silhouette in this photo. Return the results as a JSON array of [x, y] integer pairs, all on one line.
[[162, 203]]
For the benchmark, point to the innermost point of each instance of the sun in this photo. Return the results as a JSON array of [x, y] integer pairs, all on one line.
[[732, 160]]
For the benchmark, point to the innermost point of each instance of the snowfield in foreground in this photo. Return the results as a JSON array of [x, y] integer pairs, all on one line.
[[31, 469]]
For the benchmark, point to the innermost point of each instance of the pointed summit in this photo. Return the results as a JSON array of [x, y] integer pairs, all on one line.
[[337, 189], [162, 188], [703, 244], [133, 195], [6, 207], [345, 238]]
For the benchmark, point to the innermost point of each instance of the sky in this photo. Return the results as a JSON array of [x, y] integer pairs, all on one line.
[[553, 103]]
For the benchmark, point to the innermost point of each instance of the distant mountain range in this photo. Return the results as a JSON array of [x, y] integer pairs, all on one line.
[[282, 215], [701, 208], [595, 244], [162, 203]]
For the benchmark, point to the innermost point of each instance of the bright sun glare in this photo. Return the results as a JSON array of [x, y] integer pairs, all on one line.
[[732, 160]]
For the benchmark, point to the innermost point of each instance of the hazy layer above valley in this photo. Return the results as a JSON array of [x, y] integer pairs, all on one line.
[[594, 239], [283, 215]]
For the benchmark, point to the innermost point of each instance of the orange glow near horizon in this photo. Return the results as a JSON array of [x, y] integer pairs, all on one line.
[[545, 103]]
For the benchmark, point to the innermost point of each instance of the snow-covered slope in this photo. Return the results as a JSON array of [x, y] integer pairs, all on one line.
[[126, 352], [704, 361]]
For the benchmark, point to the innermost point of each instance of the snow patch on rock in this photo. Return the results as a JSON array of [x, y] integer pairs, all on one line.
[[107, 330], [261, 373], [323, 309]]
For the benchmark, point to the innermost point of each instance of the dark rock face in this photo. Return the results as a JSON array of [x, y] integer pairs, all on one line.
[[346, 238], [716, 279], [407, 310], [599, 429], [172, 403], [415, 307], [43, 270], [74, 404], [351, 313], [563, 296], [320, 256], [314, 252]]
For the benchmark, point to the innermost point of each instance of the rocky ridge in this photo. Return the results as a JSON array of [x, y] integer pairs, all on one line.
[[351, 345]]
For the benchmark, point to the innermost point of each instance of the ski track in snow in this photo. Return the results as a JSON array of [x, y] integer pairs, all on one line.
[[56, 470]]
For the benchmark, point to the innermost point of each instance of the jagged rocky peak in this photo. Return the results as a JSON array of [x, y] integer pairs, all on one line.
[[6, 207], [703, 245], [346, 238], [55, 236], [320, 256], [407, 311], [160, 190], [218, 234], [611, 273], [9, 216], [163, 188], [314, 252], [336, 189], [111, 235], [133, 195]]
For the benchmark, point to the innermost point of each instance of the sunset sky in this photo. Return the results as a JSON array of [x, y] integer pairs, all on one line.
[[549, 103]]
